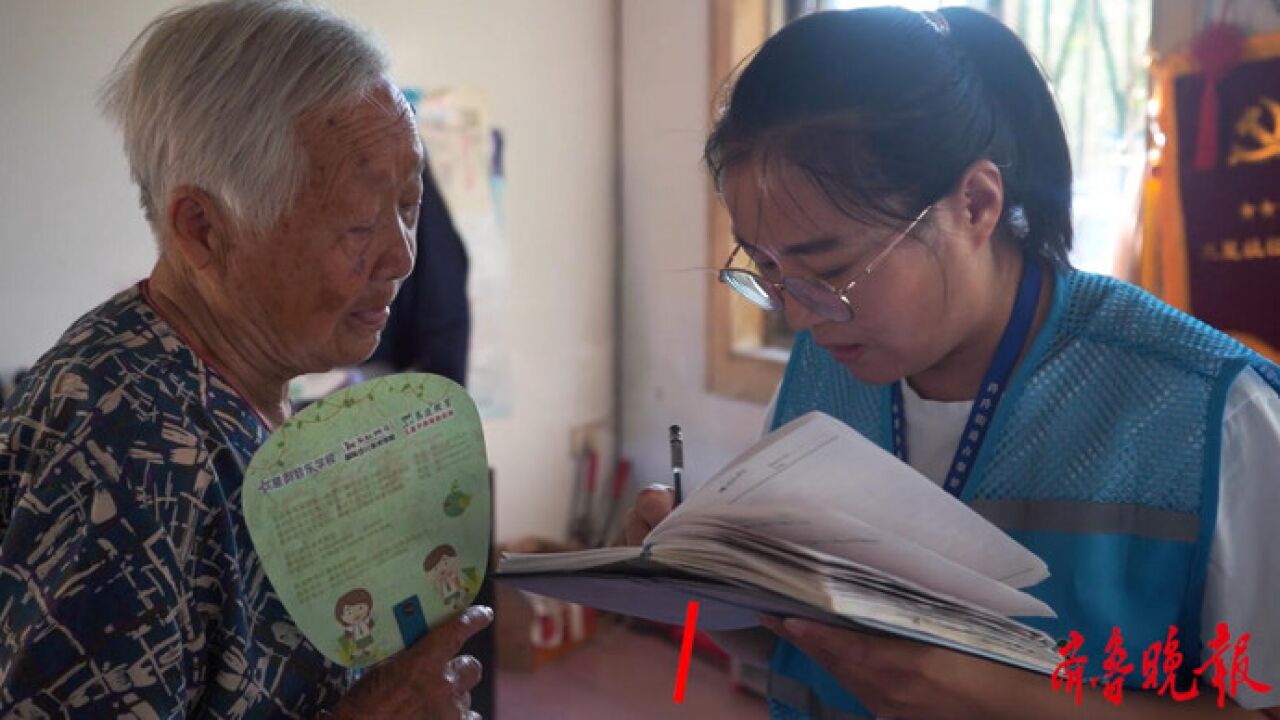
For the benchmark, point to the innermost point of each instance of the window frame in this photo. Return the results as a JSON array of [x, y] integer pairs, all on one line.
[[739, 364]]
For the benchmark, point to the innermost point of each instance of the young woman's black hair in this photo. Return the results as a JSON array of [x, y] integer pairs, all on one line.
[[884, 108]]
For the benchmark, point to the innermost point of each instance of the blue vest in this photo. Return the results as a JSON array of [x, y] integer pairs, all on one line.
[[1102, 458]]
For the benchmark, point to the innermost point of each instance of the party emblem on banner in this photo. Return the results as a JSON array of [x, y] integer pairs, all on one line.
[[370, 511], [1212, 239], [1261, 143]]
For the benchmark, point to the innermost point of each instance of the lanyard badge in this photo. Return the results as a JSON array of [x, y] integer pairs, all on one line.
[[994, 383]]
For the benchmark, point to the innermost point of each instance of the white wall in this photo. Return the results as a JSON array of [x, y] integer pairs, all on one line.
[[71, 234], [666, 51]]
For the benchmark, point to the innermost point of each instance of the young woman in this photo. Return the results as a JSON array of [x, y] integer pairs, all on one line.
[[900, 187]]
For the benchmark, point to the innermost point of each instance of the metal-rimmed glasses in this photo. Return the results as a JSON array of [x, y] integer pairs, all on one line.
[[814, 293]]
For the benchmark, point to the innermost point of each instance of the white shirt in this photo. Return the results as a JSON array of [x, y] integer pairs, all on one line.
[[1242, 585]]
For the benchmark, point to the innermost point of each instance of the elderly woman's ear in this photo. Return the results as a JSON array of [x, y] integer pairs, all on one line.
[[199, 230]]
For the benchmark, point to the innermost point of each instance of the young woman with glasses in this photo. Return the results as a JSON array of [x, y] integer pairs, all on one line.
[[900, 187]]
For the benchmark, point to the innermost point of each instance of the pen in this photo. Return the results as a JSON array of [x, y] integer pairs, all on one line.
[[677, 460]]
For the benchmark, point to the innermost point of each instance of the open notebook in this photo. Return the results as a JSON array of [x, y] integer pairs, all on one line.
[[816, 521]]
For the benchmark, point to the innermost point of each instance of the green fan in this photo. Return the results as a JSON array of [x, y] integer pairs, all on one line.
[[370, 510]]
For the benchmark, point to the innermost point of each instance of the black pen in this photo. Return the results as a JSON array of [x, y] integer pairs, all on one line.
[[677, 460]]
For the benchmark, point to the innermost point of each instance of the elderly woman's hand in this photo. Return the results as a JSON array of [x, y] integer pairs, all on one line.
[[424, 682]]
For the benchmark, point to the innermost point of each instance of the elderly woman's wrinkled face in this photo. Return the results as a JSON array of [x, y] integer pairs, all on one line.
[[323, 277]]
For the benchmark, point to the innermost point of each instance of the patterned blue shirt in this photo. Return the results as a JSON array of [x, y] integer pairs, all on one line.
[[128, 583]]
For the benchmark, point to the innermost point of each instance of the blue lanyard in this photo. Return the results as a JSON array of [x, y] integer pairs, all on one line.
[[993, 384]]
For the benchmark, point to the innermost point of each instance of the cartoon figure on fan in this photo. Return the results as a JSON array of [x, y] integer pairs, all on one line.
[[454, 584], [354, 613]]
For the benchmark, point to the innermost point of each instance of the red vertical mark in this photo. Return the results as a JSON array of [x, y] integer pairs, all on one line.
[[686, 649]]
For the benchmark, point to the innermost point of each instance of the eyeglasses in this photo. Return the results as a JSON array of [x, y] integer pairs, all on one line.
[[814, 293]]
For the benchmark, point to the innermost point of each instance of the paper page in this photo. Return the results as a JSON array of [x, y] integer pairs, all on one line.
[[818, 532], [567, 561], [664, 600], [370, 511], [730, 607], [818, 459]]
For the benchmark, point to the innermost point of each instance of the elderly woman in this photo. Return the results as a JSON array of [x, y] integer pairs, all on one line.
[[280, 171]]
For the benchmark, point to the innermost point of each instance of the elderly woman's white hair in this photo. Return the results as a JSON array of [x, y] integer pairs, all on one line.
[[210, 96]]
